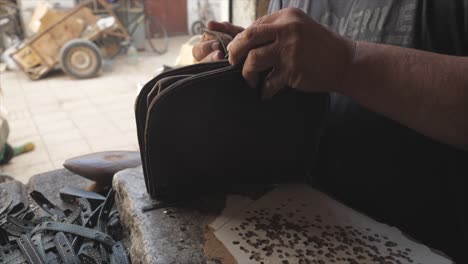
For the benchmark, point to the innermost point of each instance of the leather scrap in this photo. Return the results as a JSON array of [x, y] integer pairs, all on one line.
[[29, 250], [46, 205], [85, 234], [65, 250]]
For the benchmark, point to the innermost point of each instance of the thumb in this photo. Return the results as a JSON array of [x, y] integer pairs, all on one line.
[[225, 27]]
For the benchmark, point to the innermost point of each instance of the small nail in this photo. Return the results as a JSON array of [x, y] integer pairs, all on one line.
[[215, 45]]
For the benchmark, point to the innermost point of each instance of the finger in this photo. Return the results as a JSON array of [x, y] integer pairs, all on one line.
[[268, 18], [249, 39], [285, 13], [202, 49], [224, 37], [274, 82], [258, 60], [214, 56], [225, 27]]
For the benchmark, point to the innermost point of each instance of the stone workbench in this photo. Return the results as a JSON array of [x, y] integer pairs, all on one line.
[[181, 234], [166, 235]]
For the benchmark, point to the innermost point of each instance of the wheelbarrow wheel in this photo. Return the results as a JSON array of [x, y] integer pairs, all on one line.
[[81, 59], [197, 27], [156, 35]]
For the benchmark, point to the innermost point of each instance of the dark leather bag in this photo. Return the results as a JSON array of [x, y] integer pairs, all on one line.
[[202, 127]]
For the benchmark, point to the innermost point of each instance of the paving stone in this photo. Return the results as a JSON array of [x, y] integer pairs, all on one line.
[[176, 236], [55, 105], [50, 183]]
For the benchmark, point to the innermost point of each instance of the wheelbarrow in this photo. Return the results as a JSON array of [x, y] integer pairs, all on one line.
[[75, 42]]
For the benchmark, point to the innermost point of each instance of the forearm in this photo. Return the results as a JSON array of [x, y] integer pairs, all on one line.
[[425, 91]]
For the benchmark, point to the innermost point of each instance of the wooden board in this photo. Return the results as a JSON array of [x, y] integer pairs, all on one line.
[[26, 57], [52, 40], [50, 18]]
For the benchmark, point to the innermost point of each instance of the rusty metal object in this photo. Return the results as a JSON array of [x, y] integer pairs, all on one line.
[[101, 166]]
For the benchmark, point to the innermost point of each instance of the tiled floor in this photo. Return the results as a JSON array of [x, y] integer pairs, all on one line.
[[65, 117]]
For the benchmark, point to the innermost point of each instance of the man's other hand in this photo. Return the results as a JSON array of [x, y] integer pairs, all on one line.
[[210, 48]]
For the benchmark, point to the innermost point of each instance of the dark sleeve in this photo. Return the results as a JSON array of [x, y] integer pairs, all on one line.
[[443, 27]]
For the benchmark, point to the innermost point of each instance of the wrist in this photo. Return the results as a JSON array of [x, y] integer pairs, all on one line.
[[350, 49]]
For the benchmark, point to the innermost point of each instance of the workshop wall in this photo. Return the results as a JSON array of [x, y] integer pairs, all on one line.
[[245, 12]]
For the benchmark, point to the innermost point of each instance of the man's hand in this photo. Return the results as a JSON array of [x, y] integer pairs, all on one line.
[[210, 49], [298, 53]]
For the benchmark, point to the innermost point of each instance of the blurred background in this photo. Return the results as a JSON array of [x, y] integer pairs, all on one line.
[[70, 70]]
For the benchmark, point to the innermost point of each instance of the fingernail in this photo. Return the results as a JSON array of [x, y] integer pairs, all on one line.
[[215, 45], [229, 45]]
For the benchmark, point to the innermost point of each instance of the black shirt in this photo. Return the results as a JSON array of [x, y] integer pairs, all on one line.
[[376, 165]]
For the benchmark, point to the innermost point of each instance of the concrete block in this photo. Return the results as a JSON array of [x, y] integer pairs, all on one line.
[[167, 235]]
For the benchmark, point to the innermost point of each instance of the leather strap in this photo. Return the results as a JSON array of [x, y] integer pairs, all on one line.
[[105, 211], [46, 239], [118, 254], [85, 259], [46, 205], [93, 218], [65, 250], [86, 210], [71, 218], [38, 243], [11, 255], [104, 218], [76, 230], [14, 230], [4, 240], [23, 224], [17, 210], [90, 223], [29, 250], [89, 254]]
